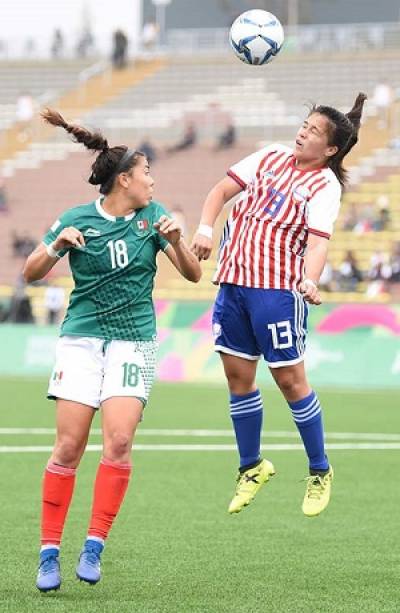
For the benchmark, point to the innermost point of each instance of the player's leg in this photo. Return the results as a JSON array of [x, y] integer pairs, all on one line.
[[247, 414], [75, 383], [120, 417], [73, 424], [129, 374], [280, 323], [234, 340], [307, 415]]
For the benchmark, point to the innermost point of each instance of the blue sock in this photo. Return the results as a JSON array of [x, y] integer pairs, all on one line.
[[247, 415], [308, 419]]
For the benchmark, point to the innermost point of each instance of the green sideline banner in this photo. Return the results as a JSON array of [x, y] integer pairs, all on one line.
[[364, 358]]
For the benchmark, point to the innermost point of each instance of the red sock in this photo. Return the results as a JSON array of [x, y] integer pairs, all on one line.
[[58, 486], [112, 480]]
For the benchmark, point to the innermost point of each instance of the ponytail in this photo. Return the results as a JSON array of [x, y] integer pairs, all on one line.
[[343, 133], [110, 162]]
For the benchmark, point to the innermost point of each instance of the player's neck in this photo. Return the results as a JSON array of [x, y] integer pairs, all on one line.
[[310, 165], [117, 205]]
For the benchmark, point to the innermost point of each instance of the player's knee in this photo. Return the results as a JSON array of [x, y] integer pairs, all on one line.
[[67, 452], [290, 386], [118, 447], [239, 383]]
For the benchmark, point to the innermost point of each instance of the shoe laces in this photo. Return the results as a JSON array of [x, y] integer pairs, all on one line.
[[91, 555], [49, 564], [316, 485]]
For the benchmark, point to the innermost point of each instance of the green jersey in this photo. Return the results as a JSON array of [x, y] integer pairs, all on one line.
[[113, 273]]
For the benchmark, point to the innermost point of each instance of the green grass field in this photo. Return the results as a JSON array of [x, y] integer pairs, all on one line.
[[175, 549]]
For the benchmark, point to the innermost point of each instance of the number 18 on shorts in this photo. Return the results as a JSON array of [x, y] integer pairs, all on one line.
[[90, 370]]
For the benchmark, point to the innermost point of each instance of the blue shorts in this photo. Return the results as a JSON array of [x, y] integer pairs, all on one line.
[[250, 322]]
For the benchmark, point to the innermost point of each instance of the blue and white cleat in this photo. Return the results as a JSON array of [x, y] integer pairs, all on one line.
[[88, 568], [49, 577]]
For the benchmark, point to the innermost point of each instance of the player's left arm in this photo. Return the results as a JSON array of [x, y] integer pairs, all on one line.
[[178, 251], [314, 260], [323, 209]]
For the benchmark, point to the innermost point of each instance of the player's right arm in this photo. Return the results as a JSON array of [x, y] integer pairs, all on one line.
[[45, 256], [216, 199]]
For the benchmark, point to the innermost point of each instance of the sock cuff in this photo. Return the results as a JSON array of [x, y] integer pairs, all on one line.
[[58, 469], [299, 405], [249, 396], [118, 465]]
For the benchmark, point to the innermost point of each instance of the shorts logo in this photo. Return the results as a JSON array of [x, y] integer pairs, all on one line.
[[57, 377], [216, 330], [142, 224]]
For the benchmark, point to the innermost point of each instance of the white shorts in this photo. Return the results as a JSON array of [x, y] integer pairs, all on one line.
[[90, 370]]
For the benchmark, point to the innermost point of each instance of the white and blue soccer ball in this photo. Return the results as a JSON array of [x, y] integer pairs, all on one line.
[[256, 37]]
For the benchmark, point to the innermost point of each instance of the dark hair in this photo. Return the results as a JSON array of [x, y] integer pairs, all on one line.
[[110, 162], [343, 133]]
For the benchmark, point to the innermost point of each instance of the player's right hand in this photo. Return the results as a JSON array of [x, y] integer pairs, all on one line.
[[69, 237], [201, 246]]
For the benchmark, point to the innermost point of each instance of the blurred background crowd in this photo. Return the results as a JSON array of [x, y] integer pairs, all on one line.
[[159, 76]]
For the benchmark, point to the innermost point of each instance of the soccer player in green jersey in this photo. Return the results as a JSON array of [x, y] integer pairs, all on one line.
[[106, 353]]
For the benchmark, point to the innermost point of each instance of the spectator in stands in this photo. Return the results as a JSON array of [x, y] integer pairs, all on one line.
[[327, 281], [378, 274], [189, 138], [54, 299], [3, 196], [382, 216], [365, 218], [120, 50], [350, 217], [349, 274], [20, 306], [394, 263], [148, 149], [150, 34], [24, 113], [227, 138], [85, 43], [57, 45], [23, 244], [382, 98]]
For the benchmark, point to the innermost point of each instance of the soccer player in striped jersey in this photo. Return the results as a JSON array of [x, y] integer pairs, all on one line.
[[106, 354], [272, 252]]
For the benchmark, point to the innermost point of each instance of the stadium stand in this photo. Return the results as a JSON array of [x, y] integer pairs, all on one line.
[[49, 173]]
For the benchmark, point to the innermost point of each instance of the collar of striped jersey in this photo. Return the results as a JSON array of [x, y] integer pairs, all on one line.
[[103, 213]]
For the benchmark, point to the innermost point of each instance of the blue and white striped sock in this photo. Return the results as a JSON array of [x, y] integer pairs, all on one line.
[[247, 415], [308, 419]]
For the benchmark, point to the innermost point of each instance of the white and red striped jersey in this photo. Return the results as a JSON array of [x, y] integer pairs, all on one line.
[[265, 236]]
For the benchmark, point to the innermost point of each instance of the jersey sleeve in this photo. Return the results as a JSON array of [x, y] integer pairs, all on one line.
[[64, 221], [323, 209], [244, 172], [162, 242]]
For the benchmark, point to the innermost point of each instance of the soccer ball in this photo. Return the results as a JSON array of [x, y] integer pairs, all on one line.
[[256, 37]]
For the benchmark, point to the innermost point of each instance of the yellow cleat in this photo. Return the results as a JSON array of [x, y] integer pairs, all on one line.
[[318, 492], [248, 484]]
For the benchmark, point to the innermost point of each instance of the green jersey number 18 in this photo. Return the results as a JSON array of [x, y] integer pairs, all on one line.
[[118, 253]]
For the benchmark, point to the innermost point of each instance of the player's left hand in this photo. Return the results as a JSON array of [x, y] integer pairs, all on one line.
[[310, 292], [169, 229]]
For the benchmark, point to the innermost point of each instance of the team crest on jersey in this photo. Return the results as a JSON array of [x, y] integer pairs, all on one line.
[[142, 224], [301, 193]]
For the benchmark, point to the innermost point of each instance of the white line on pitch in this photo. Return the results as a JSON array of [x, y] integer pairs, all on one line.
[[368, 436], [272, 447]]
